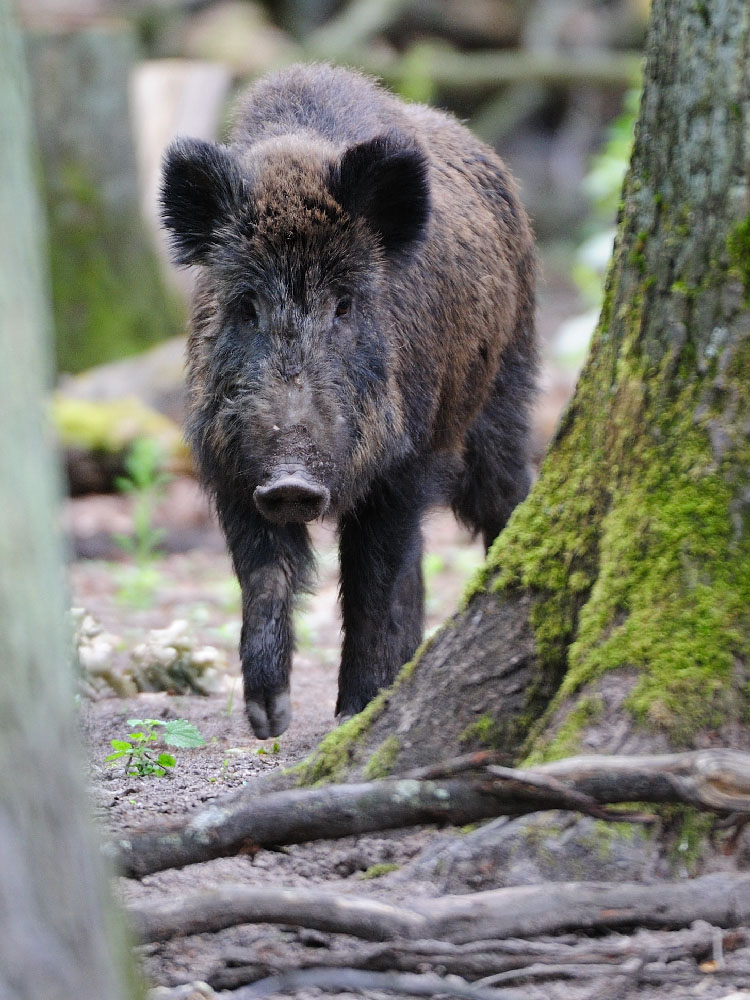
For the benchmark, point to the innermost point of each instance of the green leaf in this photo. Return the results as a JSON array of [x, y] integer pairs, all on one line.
[[117, 755], [166, 760], [122, 745], [183, 734]]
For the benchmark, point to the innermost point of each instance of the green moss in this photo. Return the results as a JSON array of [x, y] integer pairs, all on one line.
[[688, 830], [601, 837], [381, 762], [377, 871], [111, 426], [607, 833], [483, 732], [628, 544], [738, 245], [336, 751], [108, 296], [566, 740]]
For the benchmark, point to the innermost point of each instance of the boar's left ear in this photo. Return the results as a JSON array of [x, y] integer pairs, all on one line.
[[201, 188], [384, 180]]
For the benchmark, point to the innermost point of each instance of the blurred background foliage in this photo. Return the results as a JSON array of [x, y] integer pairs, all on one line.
[[552, 84]]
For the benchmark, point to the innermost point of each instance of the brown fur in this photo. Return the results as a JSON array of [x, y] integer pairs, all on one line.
[[420, 392]]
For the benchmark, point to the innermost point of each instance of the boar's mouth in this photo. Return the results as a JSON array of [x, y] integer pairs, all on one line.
[[291, 495]]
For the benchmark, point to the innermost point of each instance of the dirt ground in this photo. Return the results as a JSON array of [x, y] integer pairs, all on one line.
[[194, 583], [198, 586]]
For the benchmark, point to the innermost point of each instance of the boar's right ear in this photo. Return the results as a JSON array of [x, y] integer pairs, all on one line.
[[201, 188], [384, 180]]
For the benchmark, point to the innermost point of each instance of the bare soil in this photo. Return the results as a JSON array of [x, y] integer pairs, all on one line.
[[198, 585]]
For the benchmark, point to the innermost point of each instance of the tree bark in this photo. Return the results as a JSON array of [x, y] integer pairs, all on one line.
[[613, 613], [109, 298], [58, 936]]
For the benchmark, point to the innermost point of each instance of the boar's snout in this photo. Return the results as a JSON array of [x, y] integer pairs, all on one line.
[[291, 496]]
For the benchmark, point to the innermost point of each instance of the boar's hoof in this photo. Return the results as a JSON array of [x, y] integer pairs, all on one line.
[[291, 497], [270, 715]]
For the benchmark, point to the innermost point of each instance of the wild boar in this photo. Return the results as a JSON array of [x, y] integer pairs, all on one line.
[[362, 347]]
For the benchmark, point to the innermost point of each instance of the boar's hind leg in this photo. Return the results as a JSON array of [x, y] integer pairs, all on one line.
[[273, 563], [496, 472], [382, 595]]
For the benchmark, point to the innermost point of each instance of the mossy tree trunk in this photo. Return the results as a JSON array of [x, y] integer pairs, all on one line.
[[108, 294], [58, 936], [613, 613]]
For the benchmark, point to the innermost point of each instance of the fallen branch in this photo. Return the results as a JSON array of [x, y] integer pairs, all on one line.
[[518, 911], [475, 959], [709, 779], [718, 778]]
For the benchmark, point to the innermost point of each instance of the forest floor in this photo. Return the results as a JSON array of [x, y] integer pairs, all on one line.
[[197, 586]]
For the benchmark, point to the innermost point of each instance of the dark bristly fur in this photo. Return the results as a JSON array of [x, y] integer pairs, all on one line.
[[362, 345]]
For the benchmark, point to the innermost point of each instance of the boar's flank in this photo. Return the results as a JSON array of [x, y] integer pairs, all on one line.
[[362, 346]]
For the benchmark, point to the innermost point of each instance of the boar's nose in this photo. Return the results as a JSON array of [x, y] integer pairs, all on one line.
[[291, 496]]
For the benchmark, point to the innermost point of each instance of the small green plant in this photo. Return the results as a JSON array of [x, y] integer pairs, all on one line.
[[378, 871], [141, 758], [262, 751], [145, 482]]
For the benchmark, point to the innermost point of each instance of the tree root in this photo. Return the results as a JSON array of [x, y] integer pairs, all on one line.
[[464, 790], [518, 911], [401, 983], [516, 959]]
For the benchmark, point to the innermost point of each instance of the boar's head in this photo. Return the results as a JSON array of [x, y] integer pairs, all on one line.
[[292, 361]]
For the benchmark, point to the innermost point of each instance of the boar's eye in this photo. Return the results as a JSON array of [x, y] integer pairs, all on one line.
[[247, 308], [343, 306]]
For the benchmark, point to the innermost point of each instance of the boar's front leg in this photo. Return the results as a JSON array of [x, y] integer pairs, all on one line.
[[273, 562], [382, 596]]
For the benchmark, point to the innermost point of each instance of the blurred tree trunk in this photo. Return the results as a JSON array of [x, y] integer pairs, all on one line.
[[58, 936], [108, 294], [613, 614]]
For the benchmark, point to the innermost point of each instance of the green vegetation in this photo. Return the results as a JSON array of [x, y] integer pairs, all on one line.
[[108, 296], [111, 426], [377, 871], [336, 750], [485, 732], [382, 760], [142, 760], [691, 830], [738, 245], [145, 482], [627, 543]]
